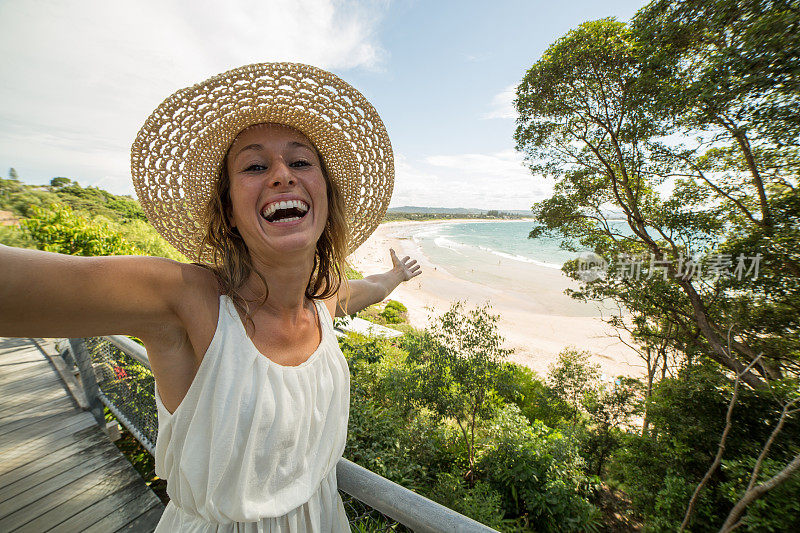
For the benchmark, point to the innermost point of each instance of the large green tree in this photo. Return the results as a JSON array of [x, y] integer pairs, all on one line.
[[599, 113], [684, 122]]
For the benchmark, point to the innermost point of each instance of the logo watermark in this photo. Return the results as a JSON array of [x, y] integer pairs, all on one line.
[[714, 266]]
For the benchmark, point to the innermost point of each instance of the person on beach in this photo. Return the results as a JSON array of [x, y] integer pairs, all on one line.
[[267, 177]]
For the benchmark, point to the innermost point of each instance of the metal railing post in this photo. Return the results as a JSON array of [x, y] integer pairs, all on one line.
[[88, 379]]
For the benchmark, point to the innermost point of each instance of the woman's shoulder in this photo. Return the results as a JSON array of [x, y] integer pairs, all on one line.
[[200, 288]]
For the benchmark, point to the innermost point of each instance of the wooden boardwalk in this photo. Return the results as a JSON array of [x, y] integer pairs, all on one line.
[[58, 469]]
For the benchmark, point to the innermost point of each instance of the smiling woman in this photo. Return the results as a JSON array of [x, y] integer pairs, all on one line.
[[267, 166], [267, 176]]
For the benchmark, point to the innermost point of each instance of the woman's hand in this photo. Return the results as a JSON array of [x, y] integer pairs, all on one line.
[[405, 268]]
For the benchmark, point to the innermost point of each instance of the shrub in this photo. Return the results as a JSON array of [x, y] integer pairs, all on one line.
[[539, 473], [481, 502], [394, 312], [59, 229], [659, 471], [533, 397]]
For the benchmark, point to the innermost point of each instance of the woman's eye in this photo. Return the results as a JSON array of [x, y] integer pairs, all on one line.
[[300, 163], [255, 168]]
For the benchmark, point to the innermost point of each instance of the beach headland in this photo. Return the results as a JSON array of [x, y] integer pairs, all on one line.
[[536, 318]]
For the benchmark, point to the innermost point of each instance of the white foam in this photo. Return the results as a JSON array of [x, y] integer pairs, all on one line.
[[524, 259]]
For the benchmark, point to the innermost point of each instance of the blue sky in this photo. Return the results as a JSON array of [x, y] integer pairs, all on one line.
[[79, 79]]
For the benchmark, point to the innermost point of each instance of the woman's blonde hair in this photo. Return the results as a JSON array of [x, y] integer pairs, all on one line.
[[232, 264]]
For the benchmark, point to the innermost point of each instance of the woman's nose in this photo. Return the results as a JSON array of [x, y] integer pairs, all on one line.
[[282, 175]]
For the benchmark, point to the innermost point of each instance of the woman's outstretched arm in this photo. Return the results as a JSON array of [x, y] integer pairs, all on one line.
[[373, 289], [45, 294]]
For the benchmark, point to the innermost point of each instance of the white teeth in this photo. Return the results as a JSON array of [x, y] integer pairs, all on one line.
[[271, 208], [290, 219]]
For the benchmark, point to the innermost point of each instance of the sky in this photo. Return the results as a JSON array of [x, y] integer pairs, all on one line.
[[80, 78]]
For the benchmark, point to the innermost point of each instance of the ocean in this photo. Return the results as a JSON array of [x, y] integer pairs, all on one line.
[[467, 242]]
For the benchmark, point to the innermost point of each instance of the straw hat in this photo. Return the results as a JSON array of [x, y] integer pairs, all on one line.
[[177, 156]]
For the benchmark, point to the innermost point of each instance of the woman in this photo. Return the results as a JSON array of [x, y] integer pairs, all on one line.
[[267, 176]]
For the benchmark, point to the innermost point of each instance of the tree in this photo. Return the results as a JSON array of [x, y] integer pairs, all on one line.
[[593, 113], [12, 174], [59, 182], [597, 409], [457, 370], [571, 378], [753, 491]]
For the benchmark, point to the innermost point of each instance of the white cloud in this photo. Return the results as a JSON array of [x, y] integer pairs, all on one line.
[[484, 181], [80, 78], [502, 105]]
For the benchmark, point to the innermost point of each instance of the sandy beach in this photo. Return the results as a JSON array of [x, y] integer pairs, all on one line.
[[536, 318]]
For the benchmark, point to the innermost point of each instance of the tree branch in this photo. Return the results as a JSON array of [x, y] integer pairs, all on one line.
[[721, 448]]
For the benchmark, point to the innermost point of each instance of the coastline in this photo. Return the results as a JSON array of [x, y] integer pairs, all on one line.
[[536, 318]]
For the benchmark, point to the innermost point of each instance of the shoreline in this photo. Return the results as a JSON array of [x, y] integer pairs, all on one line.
[[536, 319]]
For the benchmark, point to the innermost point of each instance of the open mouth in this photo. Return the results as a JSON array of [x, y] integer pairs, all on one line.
[[285, 212]]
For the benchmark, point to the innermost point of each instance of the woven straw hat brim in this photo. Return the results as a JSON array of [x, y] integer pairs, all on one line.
[[177, 155]]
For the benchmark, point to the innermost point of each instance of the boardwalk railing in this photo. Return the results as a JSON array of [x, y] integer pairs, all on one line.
[[115, 372]]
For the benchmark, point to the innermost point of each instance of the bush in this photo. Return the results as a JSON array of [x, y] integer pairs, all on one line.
[[539, 473], [481, 502], [356, 347], [59, 229], [394, 312], [533, 397], [14, 236], [778, 512]]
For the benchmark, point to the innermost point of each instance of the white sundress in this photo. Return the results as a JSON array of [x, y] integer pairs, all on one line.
[[253, 446]]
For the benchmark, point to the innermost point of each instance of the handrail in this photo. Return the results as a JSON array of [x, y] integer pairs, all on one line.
[[395, 501], [385, 496]]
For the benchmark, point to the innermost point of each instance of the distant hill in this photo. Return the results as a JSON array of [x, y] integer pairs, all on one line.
[[454, 211]]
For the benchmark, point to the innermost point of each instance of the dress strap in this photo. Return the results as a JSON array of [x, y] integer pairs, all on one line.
[[324, 316]]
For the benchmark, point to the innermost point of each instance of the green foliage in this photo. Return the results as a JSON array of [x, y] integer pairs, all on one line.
[[145, 237], [351, 273], [99, 216], [524, 477], [698, 92], [533, 397], [539, 472], [59, 229], [99, 202], [376, 440], [356, 347], [59, 182], [725, 59], [481, 502], [609, 410], [458, 369], [571, 379], [14, 236], [394, 312], [660, 470], [780, 512], [407, 445], [20, 198]]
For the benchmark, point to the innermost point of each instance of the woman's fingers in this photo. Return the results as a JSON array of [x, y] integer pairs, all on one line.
[[408, 264]]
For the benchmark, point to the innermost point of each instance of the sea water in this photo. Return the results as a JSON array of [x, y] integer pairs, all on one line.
[[500, 255], [471, 242]]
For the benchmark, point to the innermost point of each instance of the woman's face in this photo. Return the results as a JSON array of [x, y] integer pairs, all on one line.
[[277, 190]]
